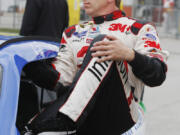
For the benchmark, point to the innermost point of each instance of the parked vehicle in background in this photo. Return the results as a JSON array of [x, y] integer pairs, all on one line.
[[13, 8]]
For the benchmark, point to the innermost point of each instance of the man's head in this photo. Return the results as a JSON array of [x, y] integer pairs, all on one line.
[[100, 7]]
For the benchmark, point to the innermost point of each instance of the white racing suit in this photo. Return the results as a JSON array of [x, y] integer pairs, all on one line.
[[104, 97]]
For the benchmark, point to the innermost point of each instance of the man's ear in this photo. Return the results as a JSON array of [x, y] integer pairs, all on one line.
[[112, 2]]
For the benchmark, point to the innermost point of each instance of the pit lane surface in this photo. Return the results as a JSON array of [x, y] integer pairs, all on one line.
[[163, 103]]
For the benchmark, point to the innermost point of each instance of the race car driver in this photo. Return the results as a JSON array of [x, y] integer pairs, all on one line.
[[107, 62]]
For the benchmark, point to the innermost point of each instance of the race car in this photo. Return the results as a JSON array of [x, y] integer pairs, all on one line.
[[15, 53]]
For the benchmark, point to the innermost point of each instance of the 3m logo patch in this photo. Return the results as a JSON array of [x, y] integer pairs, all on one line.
[[152, 44], [117, 27]]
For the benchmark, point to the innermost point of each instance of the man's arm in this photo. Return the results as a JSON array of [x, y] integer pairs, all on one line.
[[42, 73], [150, 70], [65, 62], [147, 62], [54, 73]]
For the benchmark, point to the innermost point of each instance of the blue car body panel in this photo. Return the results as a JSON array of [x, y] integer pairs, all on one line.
[[13, 56]]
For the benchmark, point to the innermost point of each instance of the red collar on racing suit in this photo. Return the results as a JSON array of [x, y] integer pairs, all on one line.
[[109, 17]]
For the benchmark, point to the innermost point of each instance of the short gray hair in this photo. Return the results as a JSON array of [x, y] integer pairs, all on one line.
[[118, 3]]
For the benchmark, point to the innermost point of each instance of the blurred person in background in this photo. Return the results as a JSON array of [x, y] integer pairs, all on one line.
[[106, 62], [41, 18], [169, 24], [45, 18]]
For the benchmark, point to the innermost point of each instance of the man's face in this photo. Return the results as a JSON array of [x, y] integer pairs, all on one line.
[[95, 7]]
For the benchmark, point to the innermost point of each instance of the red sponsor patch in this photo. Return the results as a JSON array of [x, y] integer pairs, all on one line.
[[157, 56], [69, 31], [144, 38], [138, 25], [130, 98], [94, 29], [63, 41], [152, 44], [79, 66], [128, 28], [126, 65], [117, 27], [89, 40], [117, 14], [83, 51]]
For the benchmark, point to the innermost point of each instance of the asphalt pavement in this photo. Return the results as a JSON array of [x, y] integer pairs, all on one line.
[[163, 103]]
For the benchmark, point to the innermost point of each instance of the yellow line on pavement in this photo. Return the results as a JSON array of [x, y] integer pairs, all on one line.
[[8, 34]]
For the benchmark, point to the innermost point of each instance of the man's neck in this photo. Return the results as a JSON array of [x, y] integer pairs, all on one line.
[[106, 11]]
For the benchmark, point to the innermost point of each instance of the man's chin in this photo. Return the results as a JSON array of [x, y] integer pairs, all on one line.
[[89, 13]]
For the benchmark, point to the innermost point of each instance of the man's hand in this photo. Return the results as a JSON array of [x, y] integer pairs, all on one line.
[[112, 49]]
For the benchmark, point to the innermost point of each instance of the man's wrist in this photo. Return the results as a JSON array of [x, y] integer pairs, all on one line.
[[130, 55]]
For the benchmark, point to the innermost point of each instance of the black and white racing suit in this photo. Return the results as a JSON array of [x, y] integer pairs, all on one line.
[[104, 96]]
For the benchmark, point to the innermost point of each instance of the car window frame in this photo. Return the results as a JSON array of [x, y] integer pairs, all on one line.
[[1, 77]]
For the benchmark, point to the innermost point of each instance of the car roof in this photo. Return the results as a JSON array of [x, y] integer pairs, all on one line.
[[15, 52]]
